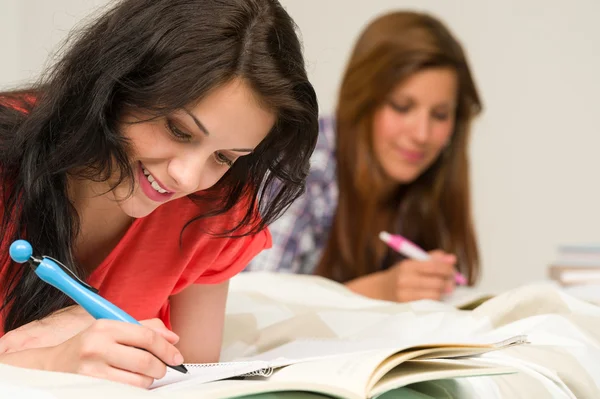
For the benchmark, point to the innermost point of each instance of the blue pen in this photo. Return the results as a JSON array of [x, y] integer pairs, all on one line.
[[56, 274]]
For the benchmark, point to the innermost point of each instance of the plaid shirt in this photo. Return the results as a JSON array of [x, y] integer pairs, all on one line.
[[300, 234]]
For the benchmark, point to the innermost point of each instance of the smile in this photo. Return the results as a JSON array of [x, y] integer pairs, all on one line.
[[152, 187], [155, 185]]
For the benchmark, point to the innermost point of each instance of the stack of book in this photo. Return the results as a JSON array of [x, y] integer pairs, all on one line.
[[576, 265]]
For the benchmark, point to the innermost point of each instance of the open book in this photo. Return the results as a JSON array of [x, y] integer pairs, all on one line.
[[339, 368]]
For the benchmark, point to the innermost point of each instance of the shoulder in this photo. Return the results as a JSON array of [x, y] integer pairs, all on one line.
[[207, 258]]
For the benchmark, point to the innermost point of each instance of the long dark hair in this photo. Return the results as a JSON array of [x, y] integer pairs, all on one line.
[[157, 56], [435, 209]]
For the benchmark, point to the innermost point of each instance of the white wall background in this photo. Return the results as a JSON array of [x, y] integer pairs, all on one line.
[[535, 163]]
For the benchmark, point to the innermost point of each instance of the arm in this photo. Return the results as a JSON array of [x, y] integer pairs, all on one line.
[[409, 280], [49, 331], [372, 286], [197, 316], [31, 358]]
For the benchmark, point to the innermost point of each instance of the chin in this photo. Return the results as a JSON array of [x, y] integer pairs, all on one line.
[[137, 210], [403, 176]]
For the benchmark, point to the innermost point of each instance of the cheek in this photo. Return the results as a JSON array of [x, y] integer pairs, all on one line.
[[442, 135], [211, 176], [387, 125], [147, 137]]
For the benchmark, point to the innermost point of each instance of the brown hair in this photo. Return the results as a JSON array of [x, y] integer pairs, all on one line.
[[435, 209]]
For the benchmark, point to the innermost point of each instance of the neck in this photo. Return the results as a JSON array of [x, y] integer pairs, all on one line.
[[102, 223], [389, 190]]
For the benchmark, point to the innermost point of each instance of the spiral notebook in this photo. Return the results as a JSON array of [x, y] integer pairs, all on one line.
[[199, 373]]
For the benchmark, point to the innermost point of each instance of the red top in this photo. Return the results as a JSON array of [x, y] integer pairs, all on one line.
[[150, 264]]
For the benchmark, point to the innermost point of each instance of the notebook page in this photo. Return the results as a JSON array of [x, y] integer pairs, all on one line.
[[201, 373]]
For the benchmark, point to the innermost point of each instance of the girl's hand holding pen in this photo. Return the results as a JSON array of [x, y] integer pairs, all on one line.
[[76, 342], [411, 280], [59, 327], [113, 350], [96, 350]]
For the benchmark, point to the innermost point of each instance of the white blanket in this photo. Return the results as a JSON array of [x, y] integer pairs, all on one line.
[[266, 310]]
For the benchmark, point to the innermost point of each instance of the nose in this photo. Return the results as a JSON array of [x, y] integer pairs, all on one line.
[[421, 127], [186, 171]]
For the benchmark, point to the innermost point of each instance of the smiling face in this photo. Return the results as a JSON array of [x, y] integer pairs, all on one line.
[[413, 126], [190, 150]]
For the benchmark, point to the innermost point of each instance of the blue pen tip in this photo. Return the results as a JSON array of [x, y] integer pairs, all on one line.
[[20, 251]]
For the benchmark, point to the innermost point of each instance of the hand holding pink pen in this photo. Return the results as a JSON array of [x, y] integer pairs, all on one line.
[[412, 251]]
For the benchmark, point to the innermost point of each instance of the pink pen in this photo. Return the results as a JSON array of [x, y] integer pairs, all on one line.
[[411, 250]]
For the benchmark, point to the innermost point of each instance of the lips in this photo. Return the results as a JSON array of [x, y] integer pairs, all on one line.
[[411, 156], [153, 189]]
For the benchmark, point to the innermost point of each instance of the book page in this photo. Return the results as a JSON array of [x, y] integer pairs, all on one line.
[[414, 371], [314, 349], [341, 376], [357, 372], [227, 389], [284, 355], [423, 354], [346, 362]]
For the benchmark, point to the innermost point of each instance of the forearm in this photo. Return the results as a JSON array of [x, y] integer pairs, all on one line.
[[200, 329], [370, 286], [29, 358]]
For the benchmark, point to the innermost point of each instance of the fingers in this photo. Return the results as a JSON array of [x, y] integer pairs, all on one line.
[[135, 360], [415, 287], [102, 370], [158, 326], [429, 283], [450, 286], [433, 268], [129, 353], [430, 279], [141, 337], [442, 256]]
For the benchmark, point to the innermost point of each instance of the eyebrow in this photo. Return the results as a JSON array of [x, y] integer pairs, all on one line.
[[204, 130], [198, 123]]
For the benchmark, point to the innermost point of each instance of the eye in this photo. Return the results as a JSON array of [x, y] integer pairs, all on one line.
[[441, 116], [221, 159], [178, 133], [400, 108]]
